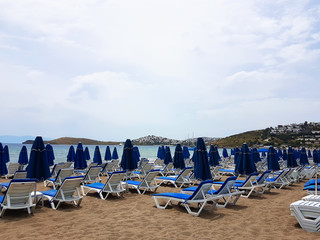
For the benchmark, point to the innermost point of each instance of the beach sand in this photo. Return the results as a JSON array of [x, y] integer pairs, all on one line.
[[135, 217]]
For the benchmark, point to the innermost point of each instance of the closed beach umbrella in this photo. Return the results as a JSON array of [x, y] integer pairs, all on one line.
[[136, 153], [225, 153], [213, 156], [178, 160], [87, 154], [3, 166], [309, 153], [128, 160], [71, 154], [38, 163], [80, 159], [315, 156], [291, 162], [280, 154], [201, 163], [255, 155], [115, 153], [107, 155], [236, 154], [245, 164], [167, 157], [50, 154], [23, 156], [284, 155], [185, 152], [303, 157], [6, 154], [161, 152], [273, 163], [97, 156]]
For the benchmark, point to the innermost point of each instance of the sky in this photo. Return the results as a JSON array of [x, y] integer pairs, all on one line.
[[118, 69]]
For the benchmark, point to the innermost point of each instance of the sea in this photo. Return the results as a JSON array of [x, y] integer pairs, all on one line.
[[61, 151]]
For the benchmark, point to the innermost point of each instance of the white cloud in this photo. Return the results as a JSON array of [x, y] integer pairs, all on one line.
[[117, 69]]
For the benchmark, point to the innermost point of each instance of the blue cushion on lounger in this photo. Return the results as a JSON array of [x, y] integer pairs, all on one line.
[[1, 198], [167, 178], [5, 184], [174, 195], [226, 170], [96, 185], [311, 188], [311, 182], [192, 189], [133, 182], [51, 192]]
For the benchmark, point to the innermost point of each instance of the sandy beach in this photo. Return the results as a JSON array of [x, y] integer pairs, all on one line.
[[135, 217]]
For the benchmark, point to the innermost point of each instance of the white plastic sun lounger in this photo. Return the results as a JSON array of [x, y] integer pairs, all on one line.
[[307, 214], [92, 175], [18, 195], [61, 175], [148, 183], [226, 193], [68, 192], [21, 174], [197, 197], [181, 179], [113, 185], [12, 168]]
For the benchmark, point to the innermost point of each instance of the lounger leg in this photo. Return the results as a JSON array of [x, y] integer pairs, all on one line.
[[196, 214], [158, 205], [2, 212]]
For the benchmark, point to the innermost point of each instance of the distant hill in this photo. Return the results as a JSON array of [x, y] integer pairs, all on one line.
[[75, 141], [156, 140], [295, 135]]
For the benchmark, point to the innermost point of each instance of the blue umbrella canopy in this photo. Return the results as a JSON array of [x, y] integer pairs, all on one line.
[[236, 154], [3, 166], [303, 157], [80, 158], [167, 157], [128, 160], [50, 154], [232, 151], [87, 154], [315, 156], [284, 155], [255, 155], [178, 160], [107, 155], [97, 156], [201, 163], [136, 153], [115, 153], [245, 164], [309, 153], [38, 163], [23, 156], [280, 154], [213, 156], [225, 153], [6, 153], [273, 163], [291, 162], [185, 152], [71, 154]]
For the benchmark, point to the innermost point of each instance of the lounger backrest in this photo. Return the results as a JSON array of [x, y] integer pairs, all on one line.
[[227, 186], [250, 179], [158, 162], [109, 167], [202, 190], [143, 162], [186, 172], [215, 170], [56, 168], [62, 174], [263, 177], [115, 163], [114, 181], [69, 187], [19, 192], [149, 178], [168, 167], [92, 173], [147, 168], [67, 164], [13, 167], [20, 174]]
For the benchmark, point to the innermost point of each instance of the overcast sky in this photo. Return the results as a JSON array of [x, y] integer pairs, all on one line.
[[118, 69]]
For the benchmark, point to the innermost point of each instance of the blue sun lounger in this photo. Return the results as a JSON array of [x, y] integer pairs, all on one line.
[[148, 183], [113, 185], [226, 192], [198, 197], [20, 174], [181, 179], [18, 195], [68, 192]]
